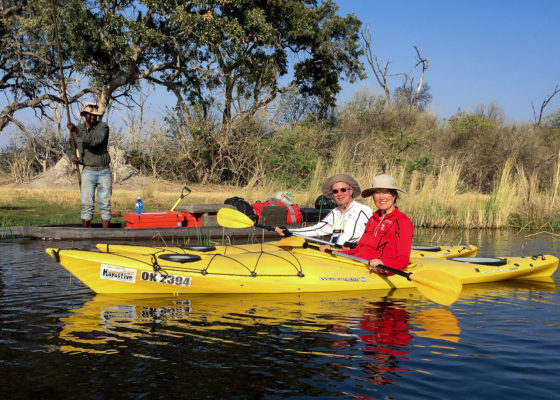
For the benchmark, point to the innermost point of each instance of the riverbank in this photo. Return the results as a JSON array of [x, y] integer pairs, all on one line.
[[432, 200]]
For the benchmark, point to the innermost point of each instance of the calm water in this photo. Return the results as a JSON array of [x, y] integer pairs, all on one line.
[[60, 340]]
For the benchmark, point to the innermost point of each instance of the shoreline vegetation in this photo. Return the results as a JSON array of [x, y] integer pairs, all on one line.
[[471, 171], [431, 201], [257, 111]]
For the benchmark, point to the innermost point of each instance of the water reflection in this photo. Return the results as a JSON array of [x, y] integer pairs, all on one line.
[[382, 322], [337, 330], [384, 335], [109, 318]]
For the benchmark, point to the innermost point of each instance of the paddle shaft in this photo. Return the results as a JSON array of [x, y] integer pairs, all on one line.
[[362, 260], [312, 239]]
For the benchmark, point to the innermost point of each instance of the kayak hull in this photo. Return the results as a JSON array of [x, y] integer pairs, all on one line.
[[282, 271]]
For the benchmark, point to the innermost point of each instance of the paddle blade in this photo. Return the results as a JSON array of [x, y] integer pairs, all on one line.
[[438, 286], [231, 218], [291, 241]]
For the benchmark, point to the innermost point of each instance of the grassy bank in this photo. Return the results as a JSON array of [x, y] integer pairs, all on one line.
[[437, 201]]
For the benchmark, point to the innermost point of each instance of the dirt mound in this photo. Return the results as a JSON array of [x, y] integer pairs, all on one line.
[[64, 175]]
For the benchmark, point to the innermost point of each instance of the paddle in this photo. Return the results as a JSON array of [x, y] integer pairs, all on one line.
[[440, 287], [231, 218]]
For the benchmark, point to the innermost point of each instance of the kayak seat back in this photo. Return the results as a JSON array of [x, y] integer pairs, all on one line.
[[202, 249], [492, 261]]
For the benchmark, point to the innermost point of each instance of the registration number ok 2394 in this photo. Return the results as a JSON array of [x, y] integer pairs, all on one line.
[[166, 278]]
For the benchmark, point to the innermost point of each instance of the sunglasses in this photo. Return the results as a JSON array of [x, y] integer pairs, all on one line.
[[343, 190]]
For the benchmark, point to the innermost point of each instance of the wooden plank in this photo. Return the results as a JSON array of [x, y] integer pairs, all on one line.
[[75, 232]]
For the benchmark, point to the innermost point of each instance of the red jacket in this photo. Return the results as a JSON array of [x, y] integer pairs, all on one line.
[[389, 239]]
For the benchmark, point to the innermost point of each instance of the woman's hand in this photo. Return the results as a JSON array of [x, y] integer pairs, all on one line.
[[324, 247], [279, 230], [373, 266]]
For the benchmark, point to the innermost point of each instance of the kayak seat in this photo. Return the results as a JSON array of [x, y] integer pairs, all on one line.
[[180, 258], [426, 248], [202, 249], [492, 261]]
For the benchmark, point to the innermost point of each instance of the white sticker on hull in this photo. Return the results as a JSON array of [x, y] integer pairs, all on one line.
[[114, 273]]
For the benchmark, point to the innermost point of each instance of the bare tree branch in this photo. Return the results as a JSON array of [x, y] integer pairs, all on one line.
[[544, 103], [380, 68], [425, 66]]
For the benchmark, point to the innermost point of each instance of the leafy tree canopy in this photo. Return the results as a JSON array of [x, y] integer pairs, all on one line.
[[233, 55]]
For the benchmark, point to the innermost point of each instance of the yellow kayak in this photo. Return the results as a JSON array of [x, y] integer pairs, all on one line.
[[417, 251], [278, 271]]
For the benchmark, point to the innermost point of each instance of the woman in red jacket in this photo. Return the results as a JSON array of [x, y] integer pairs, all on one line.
[[387, 239]]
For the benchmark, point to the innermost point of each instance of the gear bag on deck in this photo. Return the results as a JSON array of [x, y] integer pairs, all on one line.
[[243, 206], [293, 212]]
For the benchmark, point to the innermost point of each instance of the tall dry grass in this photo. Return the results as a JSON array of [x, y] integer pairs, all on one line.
[[432, 200], [439, 199]]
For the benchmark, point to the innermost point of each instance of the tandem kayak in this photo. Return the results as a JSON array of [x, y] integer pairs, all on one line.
[[279, 271], [417, 251]]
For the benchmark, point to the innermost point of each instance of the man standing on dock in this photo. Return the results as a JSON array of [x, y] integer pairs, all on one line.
[[92, 138]]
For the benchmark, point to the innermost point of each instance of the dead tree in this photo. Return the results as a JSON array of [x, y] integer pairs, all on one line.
[[425, 66], [380, 68], [545, 102]]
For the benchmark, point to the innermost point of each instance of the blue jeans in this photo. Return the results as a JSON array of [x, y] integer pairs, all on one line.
[[102, 181]]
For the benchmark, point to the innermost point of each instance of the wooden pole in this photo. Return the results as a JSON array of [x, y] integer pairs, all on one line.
[[72, 143]]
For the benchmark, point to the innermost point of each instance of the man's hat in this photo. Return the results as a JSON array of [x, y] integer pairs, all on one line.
[[328, 184], [90, 108]]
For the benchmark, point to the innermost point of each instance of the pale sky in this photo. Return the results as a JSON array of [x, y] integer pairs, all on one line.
[[480, 51]]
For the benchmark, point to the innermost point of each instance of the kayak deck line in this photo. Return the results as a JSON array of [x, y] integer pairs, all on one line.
[[446, 251]]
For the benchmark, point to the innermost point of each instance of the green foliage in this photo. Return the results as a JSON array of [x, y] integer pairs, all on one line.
[[231, 56], [292, 154], [32, 211], [552, 120], [392, 136]]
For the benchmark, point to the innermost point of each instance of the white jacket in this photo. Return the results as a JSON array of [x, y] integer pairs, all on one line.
[[343, 227]]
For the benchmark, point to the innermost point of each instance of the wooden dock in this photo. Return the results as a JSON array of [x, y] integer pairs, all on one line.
[[209, 229], [199, 234]]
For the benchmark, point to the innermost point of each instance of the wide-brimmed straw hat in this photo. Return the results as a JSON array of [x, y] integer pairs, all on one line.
[[328, 184], [382, 181], [90, 108]]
